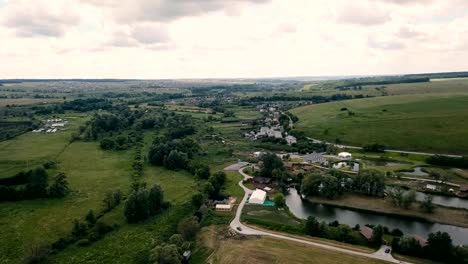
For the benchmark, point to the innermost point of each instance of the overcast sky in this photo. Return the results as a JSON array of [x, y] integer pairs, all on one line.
[[230, 38]]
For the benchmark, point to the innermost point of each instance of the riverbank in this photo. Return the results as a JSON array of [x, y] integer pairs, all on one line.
[[442, 215]]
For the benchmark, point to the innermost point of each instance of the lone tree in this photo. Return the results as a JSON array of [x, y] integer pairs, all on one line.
[[270, 162], [59, 187], [136, 207], [427, 205], [279, 200], [188, 227], [377, 235], [38, 179]]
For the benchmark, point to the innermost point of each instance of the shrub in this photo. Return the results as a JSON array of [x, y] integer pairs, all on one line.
[[83, 242], [36, 252]]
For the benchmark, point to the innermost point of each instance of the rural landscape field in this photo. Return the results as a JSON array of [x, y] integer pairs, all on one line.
[[233, 131]]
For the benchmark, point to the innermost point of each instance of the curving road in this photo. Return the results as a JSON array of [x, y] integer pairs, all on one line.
[[246, 230]]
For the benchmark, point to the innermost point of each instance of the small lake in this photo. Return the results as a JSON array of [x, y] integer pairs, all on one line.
[[444, 200], [454, 202], [303, 209], [386, 163], [416, 172]]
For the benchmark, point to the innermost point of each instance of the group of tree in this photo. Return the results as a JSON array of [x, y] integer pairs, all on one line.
[[85, 105], [402, 198], [172, 154], [143, 203], [314, 98], [119, 142], [439, 247], [173, 249], [213, 188], [335, 183], [200, 170], [379, 148], [440, 160], [33, 184], [333, 230]]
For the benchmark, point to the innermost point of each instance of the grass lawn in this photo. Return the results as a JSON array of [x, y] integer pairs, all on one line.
[[268, 214], [432, 123], [33, 149], [265, 250]]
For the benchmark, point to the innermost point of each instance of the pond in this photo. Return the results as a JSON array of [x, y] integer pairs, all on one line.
[[416, 172], [378, 162], [444, 200], [303, 209]]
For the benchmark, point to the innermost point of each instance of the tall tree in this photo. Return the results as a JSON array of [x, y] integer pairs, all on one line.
[[269, 162], [59, 186]]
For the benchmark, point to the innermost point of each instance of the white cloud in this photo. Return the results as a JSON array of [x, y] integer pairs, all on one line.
[[38, 18], [359, 14], [230, 38]]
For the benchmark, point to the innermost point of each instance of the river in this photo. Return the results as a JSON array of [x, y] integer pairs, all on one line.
[[303, 209]]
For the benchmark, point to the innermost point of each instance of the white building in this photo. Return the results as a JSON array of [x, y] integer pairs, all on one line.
[[431, 187], [258, 197], [58, 125], [344, 155], [223, 207], [291, 140]]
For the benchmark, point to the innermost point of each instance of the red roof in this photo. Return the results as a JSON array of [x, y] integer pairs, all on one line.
[[366, 232], [422, 241]]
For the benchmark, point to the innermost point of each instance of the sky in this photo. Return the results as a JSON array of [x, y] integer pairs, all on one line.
[[154, 39]]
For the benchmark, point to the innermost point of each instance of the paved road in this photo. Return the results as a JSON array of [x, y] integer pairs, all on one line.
[[387, 150], [246, 230]]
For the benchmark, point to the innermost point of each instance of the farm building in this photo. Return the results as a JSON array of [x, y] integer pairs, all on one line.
[[223, 207], [366, 232], [315, 158], [258, 197], [431, 187], [58, 125], [344, 155]]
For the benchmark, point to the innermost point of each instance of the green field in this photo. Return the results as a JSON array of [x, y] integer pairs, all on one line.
[[90, 172], [432, 123], [31, 149]]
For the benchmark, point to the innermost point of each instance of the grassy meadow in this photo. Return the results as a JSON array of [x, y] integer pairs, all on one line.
[[432, 123], [90, 172]]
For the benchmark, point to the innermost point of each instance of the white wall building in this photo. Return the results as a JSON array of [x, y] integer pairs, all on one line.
[[258, 197], [344, 155]]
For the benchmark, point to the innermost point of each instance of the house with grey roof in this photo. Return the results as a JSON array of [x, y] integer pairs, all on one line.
[[315, 158]]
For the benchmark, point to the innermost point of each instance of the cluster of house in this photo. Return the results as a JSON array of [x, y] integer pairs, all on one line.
[[271, 132], [52, 126], [272, 127]]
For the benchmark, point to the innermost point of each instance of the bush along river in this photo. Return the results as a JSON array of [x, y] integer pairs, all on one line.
[[302, 208]]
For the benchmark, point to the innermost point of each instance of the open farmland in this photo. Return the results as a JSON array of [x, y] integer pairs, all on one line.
[[269, 250], [432, 123]]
